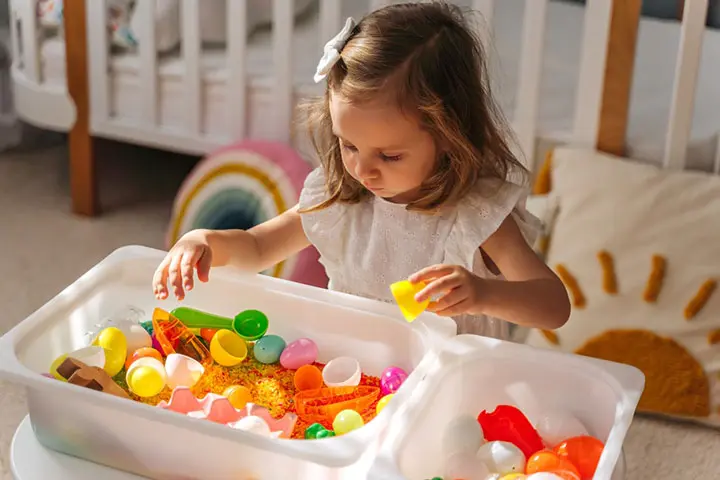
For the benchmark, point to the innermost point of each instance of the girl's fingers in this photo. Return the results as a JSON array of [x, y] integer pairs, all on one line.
[[455, 310], [431, 273], [203, 266], [437, 287], [176, 276], [160, 278], [187, 267], [449, 300]]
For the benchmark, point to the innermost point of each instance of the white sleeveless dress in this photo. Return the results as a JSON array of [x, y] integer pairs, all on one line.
[[367, 246]]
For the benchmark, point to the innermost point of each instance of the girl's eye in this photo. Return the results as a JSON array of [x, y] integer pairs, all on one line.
[[390, 158], [347, 147]]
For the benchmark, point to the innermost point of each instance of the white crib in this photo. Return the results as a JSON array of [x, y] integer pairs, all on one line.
[[564, 73]]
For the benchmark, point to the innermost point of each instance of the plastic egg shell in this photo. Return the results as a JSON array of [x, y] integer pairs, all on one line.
[[543, 476], [182, 371], [466, 465], [151, 362], [302, 351], [392, 379], [135, 335], [92, 356], [502, 457], [554, 427], [463, 434], [253, 424], [268, 349], [112, 339]]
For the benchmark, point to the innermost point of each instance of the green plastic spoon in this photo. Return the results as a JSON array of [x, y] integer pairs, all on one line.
[[249, 324]]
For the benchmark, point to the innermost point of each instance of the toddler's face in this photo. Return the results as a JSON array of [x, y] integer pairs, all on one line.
[[382, 148]]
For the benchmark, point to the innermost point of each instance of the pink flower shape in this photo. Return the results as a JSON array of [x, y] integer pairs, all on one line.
[[218, 408]]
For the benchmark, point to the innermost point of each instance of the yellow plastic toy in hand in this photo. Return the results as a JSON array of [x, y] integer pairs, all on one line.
[[404, 292]]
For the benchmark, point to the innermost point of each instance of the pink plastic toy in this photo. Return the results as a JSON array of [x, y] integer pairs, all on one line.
[[391, 379], [218, 408], [302, 351]]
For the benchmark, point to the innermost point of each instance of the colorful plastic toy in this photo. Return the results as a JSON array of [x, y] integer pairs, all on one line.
[[583, 451], [317, 431], [342, 372], [502, 457], [507, 423], [268, 349], [392, 379], [174, 337], [404, 293], [346, 421], [142, 353], [146, 377], [113, 341], [382, 403], [228, 348], [249, 324], [182, 371], [323, 405], [308, 377], [549, 461], [302, 351], [238, 395]]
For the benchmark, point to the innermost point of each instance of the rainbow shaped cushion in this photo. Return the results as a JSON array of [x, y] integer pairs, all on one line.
[[241, 186]]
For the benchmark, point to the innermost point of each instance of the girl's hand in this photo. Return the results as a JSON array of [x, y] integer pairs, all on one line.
[[192, 252], [459, 290]]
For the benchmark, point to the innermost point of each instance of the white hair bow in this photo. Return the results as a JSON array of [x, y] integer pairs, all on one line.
[[331, 52]]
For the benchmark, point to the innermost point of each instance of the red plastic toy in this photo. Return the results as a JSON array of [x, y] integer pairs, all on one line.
[[509, 424]]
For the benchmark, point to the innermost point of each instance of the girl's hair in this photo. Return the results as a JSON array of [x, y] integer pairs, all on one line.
[[425, 56]]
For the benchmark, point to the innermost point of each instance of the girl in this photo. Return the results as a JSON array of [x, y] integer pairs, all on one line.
[[414, 183]]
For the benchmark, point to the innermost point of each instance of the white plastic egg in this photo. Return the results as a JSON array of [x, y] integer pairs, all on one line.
[[556, 426], [467, 466], [92, 356], [502, 457], [182, 371], [253, 424], [135, 335], [463, 434]]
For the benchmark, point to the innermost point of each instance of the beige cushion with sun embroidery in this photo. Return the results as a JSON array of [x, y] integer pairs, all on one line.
[[638, 249]]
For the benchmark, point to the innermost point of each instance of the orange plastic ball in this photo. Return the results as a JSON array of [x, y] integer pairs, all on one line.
[[143, 352], [546, 461], [238, 395], [583, 451], [308, 377]]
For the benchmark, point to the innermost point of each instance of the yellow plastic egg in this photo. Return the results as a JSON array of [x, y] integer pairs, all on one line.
[[347, 421], [146, 381], [54, 366], [113, 341], [383, 402], [404, 293]]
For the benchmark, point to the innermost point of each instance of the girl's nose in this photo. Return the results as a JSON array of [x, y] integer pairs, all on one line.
[[366, 169]]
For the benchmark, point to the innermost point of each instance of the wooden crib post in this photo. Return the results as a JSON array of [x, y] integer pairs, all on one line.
[[83, 180], [617, 83]]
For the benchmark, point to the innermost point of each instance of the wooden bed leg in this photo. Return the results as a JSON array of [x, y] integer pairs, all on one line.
[[618, 76], [83, 179]]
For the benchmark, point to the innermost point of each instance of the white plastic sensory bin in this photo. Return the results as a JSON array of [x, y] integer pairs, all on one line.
[[448, 375], [474, 373]]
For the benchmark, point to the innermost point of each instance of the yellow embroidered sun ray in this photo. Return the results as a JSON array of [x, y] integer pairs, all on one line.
[[571, 284], [655, 280], [700, 299], [608, 268]]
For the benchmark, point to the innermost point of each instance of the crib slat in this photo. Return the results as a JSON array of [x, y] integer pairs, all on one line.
[[148, 62], [593, 56], [190, 15], [30, 41], [15, 39], [99, 70], [686, 73], [530, 76], [330, 19], [237, 83], [283, 18]]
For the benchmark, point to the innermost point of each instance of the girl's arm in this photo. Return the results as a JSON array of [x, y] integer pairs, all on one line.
[[260, 247], [532, 294]]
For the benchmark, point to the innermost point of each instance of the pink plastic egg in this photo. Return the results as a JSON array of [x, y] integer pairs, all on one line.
[[302, 351], [391, 379]]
